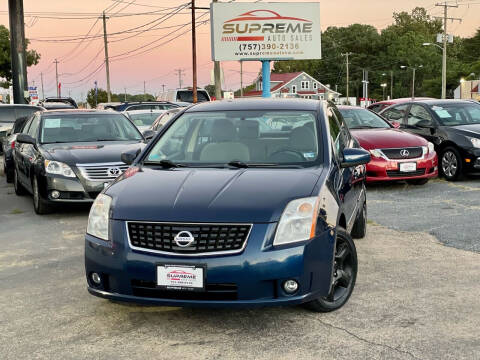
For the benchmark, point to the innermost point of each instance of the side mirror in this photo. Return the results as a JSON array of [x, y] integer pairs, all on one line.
[[148, 134], [26, 139], [425, 124], [128, 157], [354, 157]]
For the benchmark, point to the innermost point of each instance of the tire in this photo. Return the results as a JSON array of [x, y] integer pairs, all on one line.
[[8, 173], [418, 181], [345, 273], [359, 229], [450, 164], [19, 189], [39, 205]]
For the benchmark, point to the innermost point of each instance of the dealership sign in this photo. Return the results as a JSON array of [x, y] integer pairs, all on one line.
[[265, 31]]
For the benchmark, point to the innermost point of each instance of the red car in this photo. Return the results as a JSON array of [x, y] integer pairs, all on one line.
[[396, 154], [380, 105]]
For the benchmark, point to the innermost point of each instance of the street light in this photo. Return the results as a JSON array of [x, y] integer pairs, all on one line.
[[414, 68], [384, 85], [444, 67]]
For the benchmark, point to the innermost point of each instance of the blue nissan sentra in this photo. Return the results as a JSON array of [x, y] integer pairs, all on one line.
[[234, 203]]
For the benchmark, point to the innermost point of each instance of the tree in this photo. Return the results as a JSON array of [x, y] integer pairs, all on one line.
[[380, 53], [102, 97], [5, 57]]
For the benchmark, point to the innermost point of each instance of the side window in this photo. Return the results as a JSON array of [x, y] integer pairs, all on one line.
[[334, 131], [27, 126], [33, 130], [396, 113], [418, 115]]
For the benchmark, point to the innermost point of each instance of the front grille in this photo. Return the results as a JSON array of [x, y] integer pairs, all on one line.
[[102, 172], [216, 292], [413, 152], [208, 238], [397, 173]]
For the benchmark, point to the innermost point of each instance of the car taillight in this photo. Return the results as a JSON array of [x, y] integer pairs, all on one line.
[[13, 145]]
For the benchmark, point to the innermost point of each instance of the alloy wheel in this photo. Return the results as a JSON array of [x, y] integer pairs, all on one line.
[[449, 164], [342, 271]]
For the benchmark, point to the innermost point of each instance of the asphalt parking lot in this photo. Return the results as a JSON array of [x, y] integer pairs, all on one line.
[[415, 298]]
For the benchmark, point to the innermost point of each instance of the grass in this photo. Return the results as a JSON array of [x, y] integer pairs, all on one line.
[[16, 211]]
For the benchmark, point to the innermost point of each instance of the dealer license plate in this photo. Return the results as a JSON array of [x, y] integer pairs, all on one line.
[[181, 277], [408, 167]]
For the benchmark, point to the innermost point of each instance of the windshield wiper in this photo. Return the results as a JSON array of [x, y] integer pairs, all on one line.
[[238, 164], [364, 127], [164, 163], [241, 164]]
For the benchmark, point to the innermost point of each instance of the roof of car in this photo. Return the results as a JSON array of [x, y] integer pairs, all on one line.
[[346, 107], [256, 104], [77, 111], [437, 101]]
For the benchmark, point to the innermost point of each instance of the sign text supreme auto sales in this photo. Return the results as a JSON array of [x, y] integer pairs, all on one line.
[[251, 31]]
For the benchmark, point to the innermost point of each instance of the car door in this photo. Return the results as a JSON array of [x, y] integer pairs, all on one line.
[[18, 152], [421, 122], [343, 177], [29, 153]]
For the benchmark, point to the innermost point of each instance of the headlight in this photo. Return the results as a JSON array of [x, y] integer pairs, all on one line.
[[475, 142], [298, 221], [58, 168], [99, 216], [431, 147], [377, 153]]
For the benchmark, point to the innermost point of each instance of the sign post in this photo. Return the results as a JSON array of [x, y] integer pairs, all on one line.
[[265, 32], [266, 78]]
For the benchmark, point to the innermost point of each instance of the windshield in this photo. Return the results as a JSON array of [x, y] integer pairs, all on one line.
[[144, 119], [457, 114], [76, 127], [187, 96], [241, 136], [362, 119]]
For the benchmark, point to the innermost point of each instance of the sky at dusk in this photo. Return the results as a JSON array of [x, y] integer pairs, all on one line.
[[78, 60]]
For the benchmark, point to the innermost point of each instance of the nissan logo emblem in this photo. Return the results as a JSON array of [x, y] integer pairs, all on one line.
[[404, 153], [184, 239], [114, 171]]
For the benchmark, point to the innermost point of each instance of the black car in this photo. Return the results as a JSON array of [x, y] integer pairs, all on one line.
[[453, 126], [71, 155], [147, 105], [9, 113], [8, 144]]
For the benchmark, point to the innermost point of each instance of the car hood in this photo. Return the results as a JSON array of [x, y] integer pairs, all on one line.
[[88, 152], [210, 195], [386, 138], [468, 130]]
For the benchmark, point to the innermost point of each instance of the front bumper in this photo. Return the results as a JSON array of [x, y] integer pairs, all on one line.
[[472, 160], [70, 189], [253, 277], [379, 169]]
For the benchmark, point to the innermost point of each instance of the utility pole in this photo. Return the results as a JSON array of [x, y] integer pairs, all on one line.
[[43, 93], [391, 84], [194, 54], [144, 91], [445, 6], [347, 54], [107, 66], [365, 85], [241, 78], [180, 73], [163, 88], [56, 77], [125, 93], [217, 77], [17, 51]]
